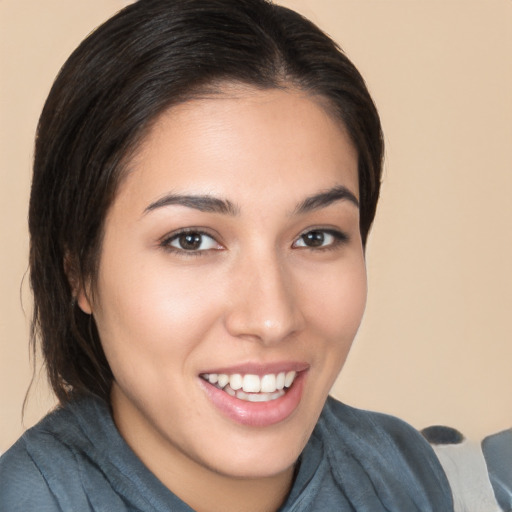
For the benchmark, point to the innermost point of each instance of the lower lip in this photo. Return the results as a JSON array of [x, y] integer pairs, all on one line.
[[257, 414]]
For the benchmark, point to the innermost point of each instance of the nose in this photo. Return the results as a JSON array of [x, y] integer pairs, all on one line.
[[264, 302]]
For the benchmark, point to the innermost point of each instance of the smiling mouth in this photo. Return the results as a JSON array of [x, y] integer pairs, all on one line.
[[252, 388]]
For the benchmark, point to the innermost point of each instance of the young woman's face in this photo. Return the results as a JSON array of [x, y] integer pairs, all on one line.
[[231, 257]]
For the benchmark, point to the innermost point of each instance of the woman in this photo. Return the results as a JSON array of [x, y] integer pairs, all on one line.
[[205, 177]]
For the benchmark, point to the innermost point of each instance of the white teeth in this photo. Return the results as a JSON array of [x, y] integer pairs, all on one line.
[[229, 391], [260, 388], [251, 384], [268, 383], [235, 381], [223, 380], [290, 377], [258, 397]]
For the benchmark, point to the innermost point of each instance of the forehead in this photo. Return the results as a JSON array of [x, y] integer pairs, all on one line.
[[244, 141]]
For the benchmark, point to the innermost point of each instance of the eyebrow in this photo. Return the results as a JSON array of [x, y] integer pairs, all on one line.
[[203, 203], [207, 203], [325, 198]]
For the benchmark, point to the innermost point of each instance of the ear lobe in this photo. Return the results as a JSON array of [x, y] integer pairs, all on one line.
[[78, 288], [83, 302]]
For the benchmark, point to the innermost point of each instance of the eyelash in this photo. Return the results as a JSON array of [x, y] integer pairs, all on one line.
[[166, 242], [339, 238]]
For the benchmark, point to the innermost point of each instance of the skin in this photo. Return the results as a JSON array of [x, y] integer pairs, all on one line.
[[254, 293]]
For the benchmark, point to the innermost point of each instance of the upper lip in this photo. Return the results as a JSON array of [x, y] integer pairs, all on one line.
[[253, 368]]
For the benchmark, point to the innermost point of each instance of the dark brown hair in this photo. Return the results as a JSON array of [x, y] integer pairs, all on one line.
[[150, 56]]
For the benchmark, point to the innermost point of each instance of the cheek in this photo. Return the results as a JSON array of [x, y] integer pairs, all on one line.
[[339, 302], [147, 313], [335, 314]]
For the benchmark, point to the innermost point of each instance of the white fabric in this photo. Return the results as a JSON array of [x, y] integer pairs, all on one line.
[[465, 467]]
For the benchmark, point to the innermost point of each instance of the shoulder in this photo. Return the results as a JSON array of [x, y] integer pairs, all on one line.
[[22, 486], [25, 483], [42, 471], [394, 456], [374, 428]]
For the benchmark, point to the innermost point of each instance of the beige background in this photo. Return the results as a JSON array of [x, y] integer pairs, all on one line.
[[435, 346]]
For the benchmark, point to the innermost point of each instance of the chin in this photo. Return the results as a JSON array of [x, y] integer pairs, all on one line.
[[262, 454], [256, 465]]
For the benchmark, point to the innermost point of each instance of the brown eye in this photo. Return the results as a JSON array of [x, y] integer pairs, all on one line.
[[190, 241], [320, 239], [314, 239]]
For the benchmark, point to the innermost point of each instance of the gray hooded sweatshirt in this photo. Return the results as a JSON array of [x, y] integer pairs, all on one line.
[[75, 460]]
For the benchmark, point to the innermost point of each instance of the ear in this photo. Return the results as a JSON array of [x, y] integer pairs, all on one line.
[[79, 289], [83, 301]]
